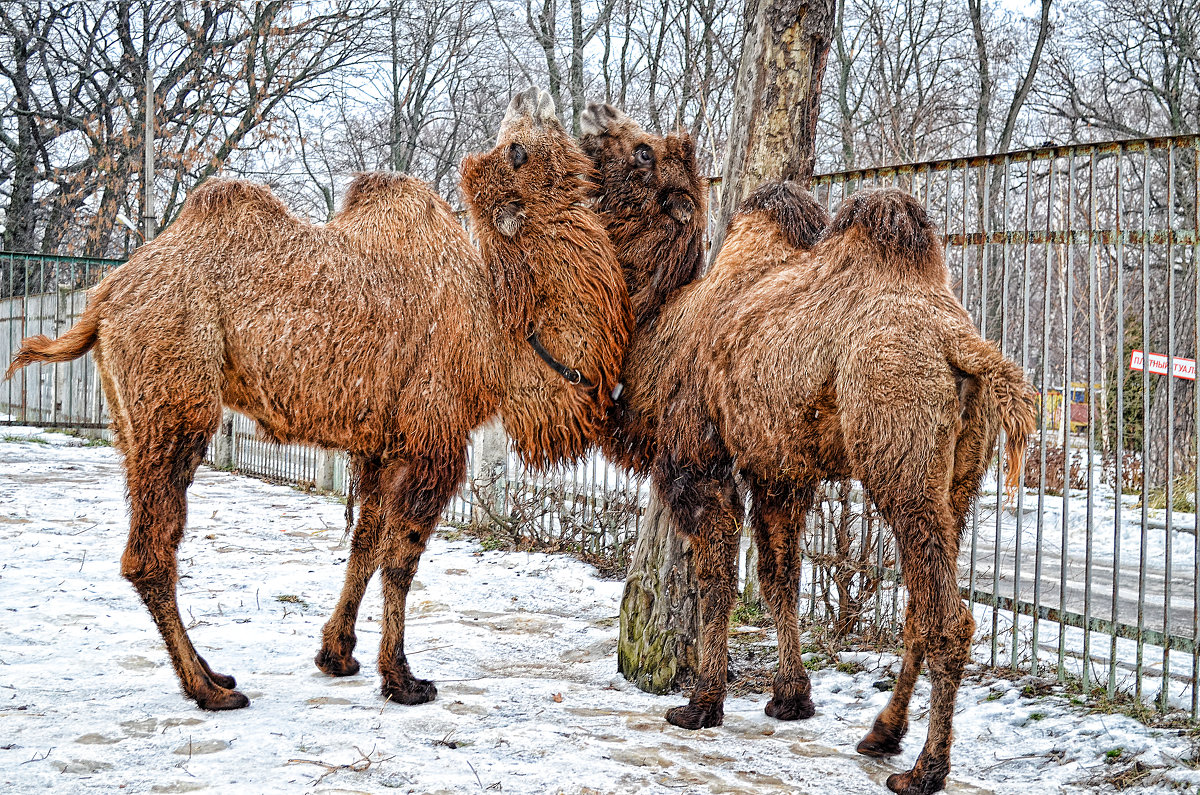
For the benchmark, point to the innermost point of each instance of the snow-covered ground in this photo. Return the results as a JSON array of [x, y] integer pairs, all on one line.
[[522, 646]]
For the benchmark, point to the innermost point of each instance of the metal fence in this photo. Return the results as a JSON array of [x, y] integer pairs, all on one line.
[[1075, 260]]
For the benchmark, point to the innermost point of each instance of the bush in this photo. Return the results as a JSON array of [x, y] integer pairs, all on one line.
[[1055, 462], [1131, 472]]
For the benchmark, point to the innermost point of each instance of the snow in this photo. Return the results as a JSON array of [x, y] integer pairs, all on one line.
[[521, 645]]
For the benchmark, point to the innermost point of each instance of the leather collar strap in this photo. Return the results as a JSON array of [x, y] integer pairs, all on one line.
[[572, 375]]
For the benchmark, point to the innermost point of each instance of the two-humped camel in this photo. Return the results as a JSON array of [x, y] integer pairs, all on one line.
[[384, 333], [803, 355]]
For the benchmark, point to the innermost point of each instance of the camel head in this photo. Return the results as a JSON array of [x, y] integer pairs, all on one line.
[[533, 171], [653, 203], [555, 283]]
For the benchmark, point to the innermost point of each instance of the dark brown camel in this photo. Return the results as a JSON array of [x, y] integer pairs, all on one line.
[[383, 333], [796, 360]]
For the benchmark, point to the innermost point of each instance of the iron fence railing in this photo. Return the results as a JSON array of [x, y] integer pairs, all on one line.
[[1074, 260]]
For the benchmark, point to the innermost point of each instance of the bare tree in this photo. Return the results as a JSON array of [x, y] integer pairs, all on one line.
[[773, 122], [221, 72], [1133, 70]]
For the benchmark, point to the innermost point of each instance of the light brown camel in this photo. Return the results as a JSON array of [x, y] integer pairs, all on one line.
[[797, 360], [383, 333]]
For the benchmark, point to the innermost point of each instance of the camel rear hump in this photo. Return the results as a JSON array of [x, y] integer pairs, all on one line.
[[886, 230]]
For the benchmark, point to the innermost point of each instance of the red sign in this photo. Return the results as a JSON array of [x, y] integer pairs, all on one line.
[[1184, 368]]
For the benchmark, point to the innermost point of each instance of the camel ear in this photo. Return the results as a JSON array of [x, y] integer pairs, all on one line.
[[545, 112], [523, 104], [689, 147], [600, 118]]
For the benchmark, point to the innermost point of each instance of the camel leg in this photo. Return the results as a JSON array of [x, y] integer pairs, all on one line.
[[418, 493], [704, 503], [928, 540], [892, 724], [973, 445], [778, 521], [159, 473], [338, 638]]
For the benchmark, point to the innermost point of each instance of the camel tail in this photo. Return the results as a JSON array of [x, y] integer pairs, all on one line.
[[75, 343], [1013, 396]]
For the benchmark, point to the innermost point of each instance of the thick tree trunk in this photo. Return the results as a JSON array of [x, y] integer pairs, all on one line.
[[772, 136], [19, 215], [776, 99], [660, 610]]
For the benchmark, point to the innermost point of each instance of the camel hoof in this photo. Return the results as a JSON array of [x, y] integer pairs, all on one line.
[[694, 716], [911, 784], [336, 665], [221, 699], [794, 708], [410, 691], [882, 741]]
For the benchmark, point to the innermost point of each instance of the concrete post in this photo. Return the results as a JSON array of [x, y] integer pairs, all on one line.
[[491, 471], [223, 443], [325, 461]]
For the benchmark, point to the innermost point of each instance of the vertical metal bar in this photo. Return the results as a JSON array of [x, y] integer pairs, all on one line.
[[1093, 301], [1043, 424], [1026, 298], [1196, 431], [11, 326], [25, 333], [1068, 400], [73, 367], [983, 333], [1000, 462], [1169, 382], [1141, 604], [53, 295], [1119, 436]]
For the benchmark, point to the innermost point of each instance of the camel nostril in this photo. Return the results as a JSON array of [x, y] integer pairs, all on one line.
[[680, 207], [509, 218]]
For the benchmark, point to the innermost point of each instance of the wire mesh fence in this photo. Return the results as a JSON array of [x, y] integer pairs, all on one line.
[[1080, 262]]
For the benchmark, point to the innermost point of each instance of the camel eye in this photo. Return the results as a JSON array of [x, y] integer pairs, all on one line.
[[643, 156], [517, 155]]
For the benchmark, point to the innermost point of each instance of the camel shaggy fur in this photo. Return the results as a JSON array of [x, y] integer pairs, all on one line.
[[383, 333], [803, 357]]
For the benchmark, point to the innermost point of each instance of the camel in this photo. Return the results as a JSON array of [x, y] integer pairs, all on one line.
[[383, 333], [805, 356]]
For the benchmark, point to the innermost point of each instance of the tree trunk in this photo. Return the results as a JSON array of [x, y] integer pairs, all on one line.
[[776, 99], [660, 609], [19, 215], [772, 136]]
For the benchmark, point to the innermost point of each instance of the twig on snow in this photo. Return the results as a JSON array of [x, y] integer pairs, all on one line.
[[477, 781], [362, 764], [36, 758]]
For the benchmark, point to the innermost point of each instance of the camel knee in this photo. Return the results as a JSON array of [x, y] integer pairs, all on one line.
[[146, 573]]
